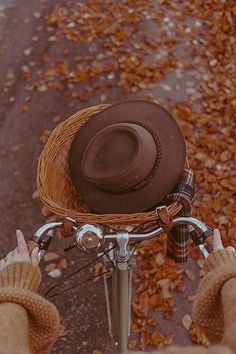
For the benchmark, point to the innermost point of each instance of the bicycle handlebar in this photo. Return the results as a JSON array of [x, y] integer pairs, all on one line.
[[91, 237]]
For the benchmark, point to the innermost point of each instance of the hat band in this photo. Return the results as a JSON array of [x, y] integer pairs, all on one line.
[[154, 169]]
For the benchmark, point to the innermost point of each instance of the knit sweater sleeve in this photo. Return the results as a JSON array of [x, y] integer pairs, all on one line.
[[215, 309], [30, 321]]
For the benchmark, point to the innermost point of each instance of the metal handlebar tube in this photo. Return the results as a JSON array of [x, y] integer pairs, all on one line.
[[43, 237], [203, 230], [90, 237], [199, 237], [45, 228]]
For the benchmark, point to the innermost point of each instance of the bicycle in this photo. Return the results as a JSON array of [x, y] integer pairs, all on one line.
[[119, 247]]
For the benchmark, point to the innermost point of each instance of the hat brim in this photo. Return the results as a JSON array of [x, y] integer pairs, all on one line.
[[171, 163]]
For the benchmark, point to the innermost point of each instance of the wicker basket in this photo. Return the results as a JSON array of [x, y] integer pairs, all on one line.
[[55, 186]]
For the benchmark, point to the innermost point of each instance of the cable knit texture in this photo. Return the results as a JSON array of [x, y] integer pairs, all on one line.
[[18, 282], [209, 310]]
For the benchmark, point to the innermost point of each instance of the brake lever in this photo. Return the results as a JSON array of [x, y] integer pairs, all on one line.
[[45, 243]]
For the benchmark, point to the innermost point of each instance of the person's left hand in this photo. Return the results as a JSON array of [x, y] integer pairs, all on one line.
[[20, 253]]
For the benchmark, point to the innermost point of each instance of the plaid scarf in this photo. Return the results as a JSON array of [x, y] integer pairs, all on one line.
[[178, 241]]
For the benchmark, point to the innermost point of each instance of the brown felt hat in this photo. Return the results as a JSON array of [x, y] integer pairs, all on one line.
[[127, 157]]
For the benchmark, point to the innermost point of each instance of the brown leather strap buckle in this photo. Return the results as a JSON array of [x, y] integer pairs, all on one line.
[[165, 217], [67, 227]]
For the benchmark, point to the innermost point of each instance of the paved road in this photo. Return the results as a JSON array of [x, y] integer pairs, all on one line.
[[83, 310]]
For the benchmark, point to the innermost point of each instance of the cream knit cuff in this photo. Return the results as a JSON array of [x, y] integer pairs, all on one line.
[[43, 317], [219, 258], [20, 275]]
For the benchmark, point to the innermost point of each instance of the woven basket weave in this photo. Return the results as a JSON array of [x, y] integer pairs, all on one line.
[[55, 186]]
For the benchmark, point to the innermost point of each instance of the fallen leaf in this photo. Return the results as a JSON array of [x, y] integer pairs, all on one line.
[[63, 330], [156, 338], [45, 135], [98, 268], [144, 340], [50, 256], [160, 259], [168, 339], [45, 211], [181, 286], [24, 108], [189, 274], [28, 51], [35, 194], [49, 267], [191, 298], [62, 264], [151, 321], [55, 273], [132, 344], [187, 321], [56, 119], [15, 147]]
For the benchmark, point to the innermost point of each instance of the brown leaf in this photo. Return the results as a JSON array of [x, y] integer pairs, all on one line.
[[98, 268], [49, 267], [24, 108], [144, 340], [190, 274], [168, 339], [45, 211], [35, 194], [191, 298], [160, 259], [156, 338], [63, 330], [45, 135], [132, 344], [50, 256], [181, 286], [62, 264], [152, 321], [15, 147], [56, 119]]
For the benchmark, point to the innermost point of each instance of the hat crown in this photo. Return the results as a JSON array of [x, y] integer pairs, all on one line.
[[107, 191], [119, 157]]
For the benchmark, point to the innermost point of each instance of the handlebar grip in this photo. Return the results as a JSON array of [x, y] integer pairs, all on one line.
[[207, 234], [200, 239]]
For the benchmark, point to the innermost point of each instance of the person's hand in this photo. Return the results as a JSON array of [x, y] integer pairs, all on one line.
[[20, 253], [215, 243]]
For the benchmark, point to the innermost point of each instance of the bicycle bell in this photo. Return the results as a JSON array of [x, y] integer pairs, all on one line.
[[89, 237]]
